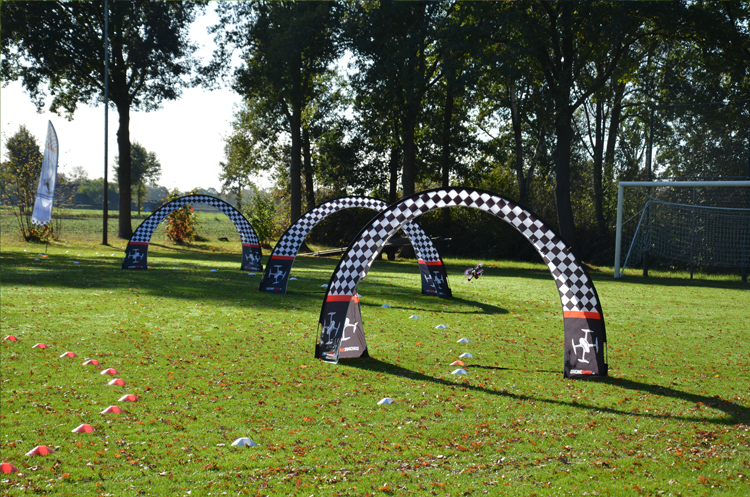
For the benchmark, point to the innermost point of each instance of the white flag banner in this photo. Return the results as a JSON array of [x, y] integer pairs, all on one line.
[[45, 193]]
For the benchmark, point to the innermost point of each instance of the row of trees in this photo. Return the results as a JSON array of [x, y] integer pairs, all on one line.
[[533, 99], [547, 102]]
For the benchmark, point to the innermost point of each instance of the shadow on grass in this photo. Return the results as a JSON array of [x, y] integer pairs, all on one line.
[[485, 307], [735, 414]]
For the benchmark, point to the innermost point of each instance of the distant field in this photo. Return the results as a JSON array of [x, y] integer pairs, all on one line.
[[84, 224], [212, 359]]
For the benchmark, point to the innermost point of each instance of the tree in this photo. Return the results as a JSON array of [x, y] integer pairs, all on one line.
[[59, 47], [20, 173], [144, 168], [396, 44], [285, 47]]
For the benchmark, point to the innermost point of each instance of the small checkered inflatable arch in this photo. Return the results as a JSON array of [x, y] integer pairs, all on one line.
[[585, 336], [136, 253], [279, 265]]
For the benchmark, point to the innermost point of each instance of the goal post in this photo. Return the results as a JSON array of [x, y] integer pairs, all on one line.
[[737, 234]]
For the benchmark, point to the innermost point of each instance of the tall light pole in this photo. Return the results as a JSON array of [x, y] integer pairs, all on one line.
[[105, 202]]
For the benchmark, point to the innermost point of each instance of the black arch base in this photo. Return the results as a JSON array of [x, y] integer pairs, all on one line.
[[585, 345], [136, 256], [434, 279], [342, 312]]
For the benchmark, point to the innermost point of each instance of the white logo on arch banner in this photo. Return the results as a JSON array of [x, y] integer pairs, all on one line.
[[45, 192]]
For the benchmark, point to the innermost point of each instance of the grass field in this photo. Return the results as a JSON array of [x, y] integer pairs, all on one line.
[[212, 359]]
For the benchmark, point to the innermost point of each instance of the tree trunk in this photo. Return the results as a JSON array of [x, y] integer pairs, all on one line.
[[295, 209], [601, 225], [125, 229], [408, 174], [564, 132], [523, 192], [445, 158], [307, 164], [393, 166], [614, 130]]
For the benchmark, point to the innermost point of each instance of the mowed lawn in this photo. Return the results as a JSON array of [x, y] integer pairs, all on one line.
[[211, 359]]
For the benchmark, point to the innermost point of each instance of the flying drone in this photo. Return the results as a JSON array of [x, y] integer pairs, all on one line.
[[474, 272]]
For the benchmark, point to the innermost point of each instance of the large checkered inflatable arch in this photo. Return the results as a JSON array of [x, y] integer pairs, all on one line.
[[341, 332], [136, 253], [279, 265]]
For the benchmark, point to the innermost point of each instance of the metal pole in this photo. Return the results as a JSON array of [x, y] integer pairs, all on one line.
[[649, 153], [105, 202], [692, 237], [618, 235]]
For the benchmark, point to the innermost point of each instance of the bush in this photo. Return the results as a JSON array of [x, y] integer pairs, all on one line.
[[182, 223]]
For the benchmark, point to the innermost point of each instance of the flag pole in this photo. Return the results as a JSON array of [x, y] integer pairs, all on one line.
[[105, 201]]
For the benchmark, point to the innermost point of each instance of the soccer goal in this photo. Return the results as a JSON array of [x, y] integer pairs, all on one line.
[[683, 225]]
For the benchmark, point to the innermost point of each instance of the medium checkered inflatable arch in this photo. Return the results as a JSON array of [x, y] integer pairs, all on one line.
[[136, 253], [276, 279], [585, 336]]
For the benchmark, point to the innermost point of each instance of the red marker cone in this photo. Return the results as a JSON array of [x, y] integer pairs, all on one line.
[[128, 398], [12, 339], [91, 362], [40, 450], [113, 409], [84, 428], [116, 381], [7, 467], [111, 371], [39, 346], [458, 363], [69, 354]]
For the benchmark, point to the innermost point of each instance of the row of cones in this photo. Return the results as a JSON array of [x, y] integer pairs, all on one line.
[[44, 450], [459, 362]]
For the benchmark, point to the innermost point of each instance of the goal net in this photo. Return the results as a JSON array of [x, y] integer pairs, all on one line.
[[683, 225]]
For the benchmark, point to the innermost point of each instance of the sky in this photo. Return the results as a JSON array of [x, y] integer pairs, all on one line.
[[186, 134]]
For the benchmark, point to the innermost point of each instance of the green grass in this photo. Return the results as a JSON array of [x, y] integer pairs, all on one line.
[[212, 359]]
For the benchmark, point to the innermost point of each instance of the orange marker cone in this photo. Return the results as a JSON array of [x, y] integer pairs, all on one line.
[[113, 409], [40, 450]]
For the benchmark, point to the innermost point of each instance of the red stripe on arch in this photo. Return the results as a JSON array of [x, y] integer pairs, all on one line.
[[338, 298], [251, 245], [431, 263], [137, 243], [581, 314], [282, 257]]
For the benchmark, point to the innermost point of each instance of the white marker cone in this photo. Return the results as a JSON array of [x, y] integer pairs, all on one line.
[[460, 371], [463, 340], [413, 316], [386, 401], [441, 327], [244, 442], [466, 354]]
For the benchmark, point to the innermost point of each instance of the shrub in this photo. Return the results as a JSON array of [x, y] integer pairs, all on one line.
[[182, 223]]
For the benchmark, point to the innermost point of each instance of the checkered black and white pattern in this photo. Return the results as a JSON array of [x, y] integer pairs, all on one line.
[[576, 289], [143, 233], [292, 239]]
